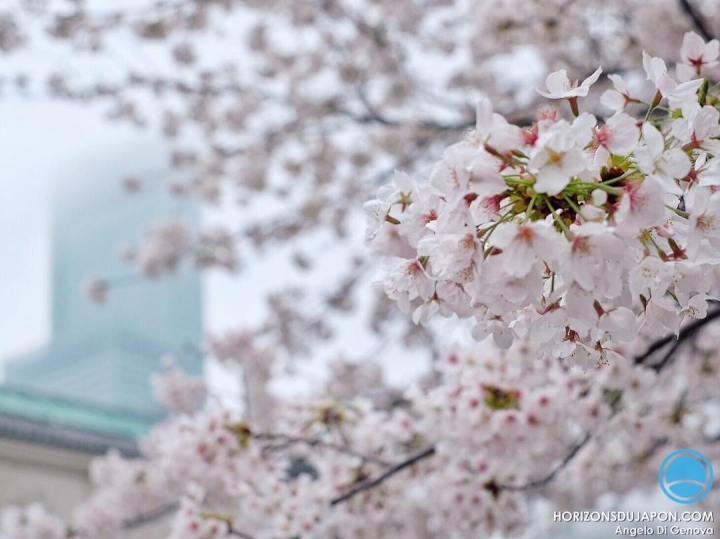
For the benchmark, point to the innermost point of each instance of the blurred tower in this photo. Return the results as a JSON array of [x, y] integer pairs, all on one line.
[[103, 354]]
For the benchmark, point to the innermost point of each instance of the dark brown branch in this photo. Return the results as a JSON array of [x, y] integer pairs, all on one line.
[[372, 483], [285, 441], [238, 533], [150, 516], [697, 19], [660, 365], [545, 480], [684, 334]]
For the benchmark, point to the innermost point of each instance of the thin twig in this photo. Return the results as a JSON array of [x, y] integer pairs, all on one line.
[[660, 365], [697, 19], [684, 334], [238, 533], [150, 516], [545, 480], [285, 441], [372, 483]]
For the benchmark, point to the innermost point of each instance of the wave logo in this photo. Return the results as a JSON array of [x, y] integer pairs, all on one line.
[[686, 476]]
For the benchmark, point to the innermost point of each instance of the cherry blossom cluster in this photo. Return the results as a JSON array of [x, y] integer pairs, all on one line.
[[578, 237], [464, 456], [573, 234], [169, 242], [176, 390]]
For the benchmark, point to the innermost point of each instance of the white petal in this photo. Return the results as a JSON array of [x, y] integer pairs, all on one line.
[[674, 163], [618, 83], [551, 180], [613, 100], [624, 134], [484, 120], [592, 79], [573, 163], [376, 209], [653, 139], [557, 84], [712, 51], [684, 72], [693, 47]]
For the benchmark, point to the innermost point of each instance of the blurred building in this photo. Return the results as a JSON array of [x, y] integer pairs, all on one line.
[[88, 389], [103, 354]]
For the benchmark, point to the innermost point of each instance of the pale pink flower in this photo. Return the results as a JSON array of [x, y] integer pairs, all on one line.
[[620, 324], [708, 171], [642, 206], [698, 54], [704, 220], [657, 73], [619, 135], [526, 244], [618, 98], [698, 128], [164, 247], [494, 130], [594, 258], [397, 194], [178, 391], [558, 155], [652, 158], [676, 94], [407, 280]]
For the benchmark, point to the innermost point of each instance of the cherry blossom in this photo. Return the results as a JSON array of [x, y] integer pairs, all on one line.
[[698, 54], [652, 157], [178, 391], [558, 154], [619, 97], [619, 135]]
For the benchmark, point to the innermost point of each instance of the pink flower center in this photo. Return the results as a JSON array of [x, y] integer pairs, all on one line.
[[705, 222], [603, 136], [525, 234], [581, 244]]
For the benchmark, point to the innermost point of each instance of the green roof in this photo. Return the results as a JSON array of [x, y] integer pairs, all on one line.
[[67, 413]]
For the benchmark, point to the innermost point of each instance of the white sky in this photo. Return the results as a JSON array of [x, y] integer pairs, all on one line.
[[35, 138]]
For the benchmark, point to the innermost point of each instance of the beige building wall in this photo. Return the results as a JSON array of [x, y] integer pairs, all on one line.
[[57, 478]]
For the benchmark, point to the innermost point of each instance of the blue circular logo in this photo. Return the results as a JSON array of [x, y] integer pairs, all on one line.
[[686, 476]]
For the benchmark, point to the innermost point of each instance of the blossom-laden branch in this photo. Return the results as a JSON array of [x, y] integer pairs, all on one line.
[[686, 333]]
